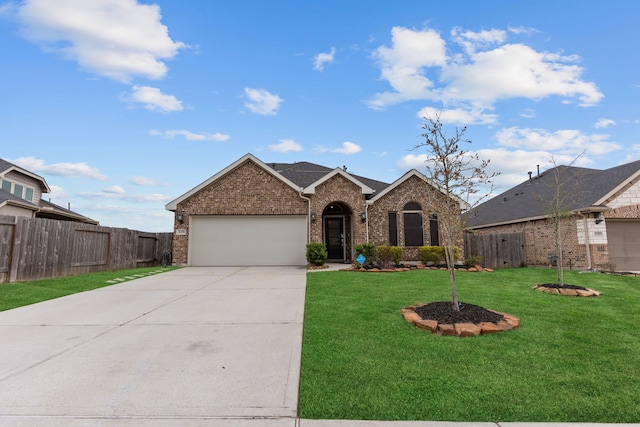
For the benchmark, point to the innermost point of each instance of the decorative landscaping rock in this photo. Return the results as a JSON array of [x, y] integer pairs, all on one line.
[[500, 322], [569, 290]]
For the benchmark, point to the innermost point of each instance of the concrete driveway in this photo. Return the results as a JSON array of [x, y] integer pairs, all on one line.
[[190, 347]]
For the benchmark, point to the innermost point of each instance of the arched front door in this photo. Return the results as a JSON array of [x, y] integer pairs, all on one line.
[[335, 229]]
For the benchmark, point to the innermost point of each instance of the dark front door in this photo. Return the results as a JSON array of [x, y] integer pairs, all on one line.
[[334, 237]]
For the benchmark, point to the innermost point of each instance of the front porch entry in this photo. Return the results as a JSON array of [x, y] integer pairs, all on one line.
[[336, 221]]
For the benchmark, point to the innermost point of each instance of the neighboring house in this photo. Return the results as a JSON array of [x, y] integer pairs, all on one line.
[[21, 195], [254, 213], [603, 223]]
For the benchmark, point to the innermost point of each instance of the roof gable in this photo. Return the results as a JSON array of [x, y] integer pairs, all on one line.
[[173, 205], [414, 173], [6, 167], [365, 189]]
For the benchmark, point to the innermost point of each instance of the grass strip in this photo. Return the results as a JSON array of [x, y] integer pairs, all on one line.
[[13, 295]]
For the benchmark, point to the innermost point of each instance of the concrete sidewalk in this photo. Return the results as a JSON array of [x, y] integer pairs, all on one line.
[[195, 346]]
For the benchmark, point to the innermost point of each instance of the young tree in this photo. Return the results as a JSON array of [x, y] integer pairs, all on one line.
[[558, 207], [461, 177]]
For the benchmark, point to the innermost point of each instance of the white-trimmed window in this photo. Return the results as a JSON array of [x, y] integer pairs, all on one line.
[[20, 190]]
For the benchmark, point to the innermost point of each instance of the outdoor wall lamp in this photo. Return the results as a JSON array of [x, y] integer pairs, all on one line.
[[180, 217], [599, 218], [313, 217], [363, 216]]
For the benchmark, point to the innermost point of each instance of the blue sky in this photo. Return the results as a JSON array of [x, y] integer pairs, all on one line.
[[124, 105]]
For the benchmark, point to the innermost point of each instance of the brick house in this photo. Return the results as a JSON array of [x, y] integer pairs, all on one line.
[[603, 222], [254, 213]]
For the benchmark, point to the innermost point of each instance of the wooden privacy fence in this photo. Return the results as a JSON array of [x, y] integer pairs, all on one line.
[[502, 250], [38, 248]]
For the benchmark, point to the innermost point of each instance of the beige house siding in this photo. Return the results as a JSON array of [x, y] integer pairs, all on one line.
[[26, 181], [247, 190], [17, 211]]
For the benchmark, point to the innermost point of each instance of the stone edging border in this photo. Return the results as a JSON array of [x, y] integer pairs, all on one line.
[[459, 329], [567, 291]]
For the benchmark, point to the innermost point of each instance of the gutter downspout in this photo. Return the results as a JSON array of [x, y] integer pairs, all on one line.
[[586, 239], [308, 214], [366, 223]]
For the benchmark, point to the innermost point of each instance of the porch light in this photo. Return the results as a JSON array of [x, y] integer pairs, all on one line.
[[180, 217], [313, 217], [363, 216]]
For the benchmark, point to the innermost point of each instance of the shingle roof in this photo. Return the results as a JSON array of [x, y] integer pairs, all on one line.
[[304, 174], [5, 196], [583, 187]]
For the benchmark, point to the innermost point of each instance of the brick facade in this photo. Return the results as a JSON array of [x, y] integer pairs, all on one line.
[[250, 189], [540, 243], [247, 190], [413, 189]]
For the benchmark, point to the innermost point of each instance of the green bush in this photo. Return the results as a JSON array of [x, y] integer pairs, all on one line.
[[473, 260], [434, 254], [316, 254], [368, 250], [396, 254], [385, 256]]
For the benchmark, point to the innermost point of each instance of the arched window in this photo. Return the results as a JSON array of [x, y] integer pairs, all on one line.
[[413, 235]]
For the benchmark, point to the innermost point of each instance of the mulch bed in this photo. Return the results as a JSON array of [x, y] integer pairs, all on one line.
[[443, 312]]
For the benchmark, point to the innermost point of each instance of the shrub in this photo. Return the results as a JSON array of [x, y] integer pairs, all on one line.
[[473, 260], [316, 254], [368, 250], [385, 256], [433, 254], [396, 254]]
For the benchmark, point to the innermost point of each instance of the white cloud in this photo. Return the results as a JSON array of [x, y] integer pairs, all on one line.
[[115, 189], [404, 65], [412, 161], [190, 136], [71, 170], [604, 123], [285, 146], [118, 39], [459, 116], [56, 193], [142, 181], [420, 66], [348, 148], [154, 100], [472, 41], [323, 58], [262, 102], [634, 154], [516, 71], [564, 141], [112, 194]]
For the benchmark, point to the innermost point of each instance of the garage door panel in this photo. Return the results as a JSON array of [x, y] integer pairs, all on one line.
[[624, 244], [247, 240]]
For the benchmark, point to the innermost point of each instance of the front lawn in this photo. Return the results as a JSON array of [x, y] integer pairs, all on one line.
[[572, 359]]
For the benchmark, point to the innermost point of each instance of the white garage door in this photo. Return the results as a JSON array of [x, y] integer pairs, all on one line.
[[624, 244], [247, 240]]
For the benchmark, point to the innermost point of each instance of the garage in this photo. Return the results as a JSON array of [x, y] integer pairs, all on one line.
[[247, 240], [624, 244]]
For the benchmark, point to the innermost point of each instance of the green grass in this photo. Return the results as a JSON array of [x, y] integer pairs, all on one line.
[[13, 295], [572, 359]]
